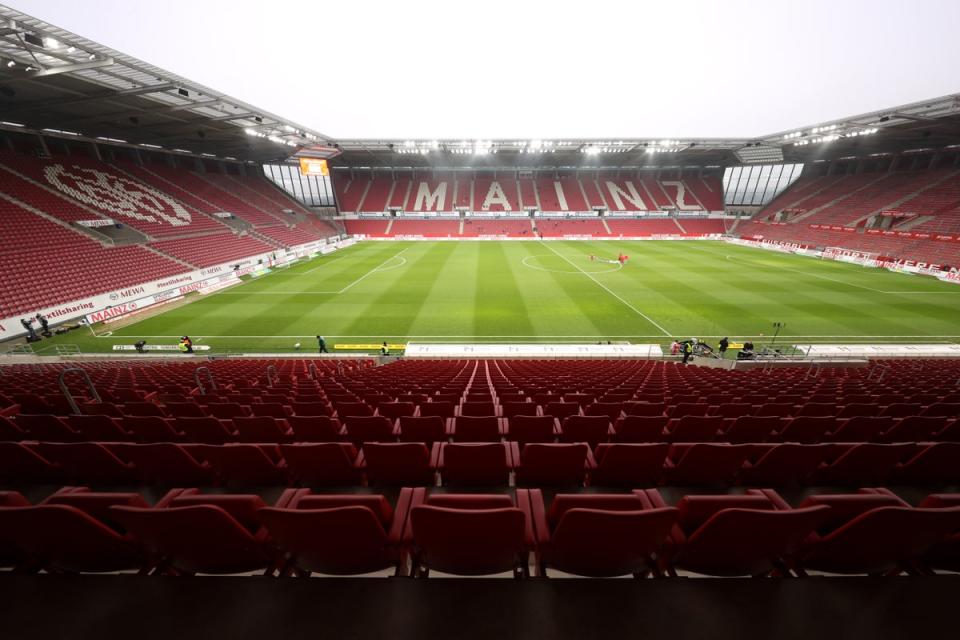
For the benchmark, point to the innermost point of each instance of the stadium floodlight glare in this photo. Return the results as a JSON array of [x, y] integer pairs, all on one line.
[[51, 43], [150, 146], [12, 124], [106, 139], [11, 64]]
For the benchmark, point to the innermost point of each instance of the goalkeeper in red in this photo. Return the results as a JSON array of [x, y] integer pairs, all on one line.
[[622, 258]]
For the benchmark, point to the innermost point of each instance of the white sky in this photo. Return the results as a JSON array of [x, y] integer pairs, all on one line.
[[532, 68]]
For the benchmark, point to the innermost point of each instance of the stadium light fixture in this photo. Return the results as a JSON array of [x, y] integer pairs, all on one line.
[[150, 146], [11, 64], [12, 124]]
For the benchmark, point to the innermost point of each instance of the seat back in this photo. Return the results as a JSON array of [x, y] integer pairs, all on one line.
[[314, 428], [428, 429], [398, 463], [634, 428], [786, 464], [202, 538], [207, 430], [629, 465], [590, 429], [475, 464], [469, 542], [360, 429], [337, 541], [322, 464], [736, 541], [544, 464], [476, 429], [601, 543]]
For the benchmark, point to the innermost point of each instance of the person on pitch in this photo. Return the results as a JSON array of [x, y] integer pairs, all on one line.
[[724, 345], [322, 344], [622, 258]]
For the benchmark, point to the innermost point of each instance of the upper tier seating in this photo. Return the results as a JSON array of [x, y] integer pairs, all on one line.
[[508, 193], [117, 195], [68, 267]]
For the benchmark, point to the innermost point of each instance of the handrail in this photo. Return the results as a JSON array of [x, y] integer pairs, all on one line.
[[881, 369], [269, 379], [815, 369], [196, 378], [66, 391], [312, 370]]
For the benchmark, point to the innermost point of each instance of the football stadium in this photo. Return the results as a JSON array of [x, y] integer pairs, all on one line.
[[524, 345]]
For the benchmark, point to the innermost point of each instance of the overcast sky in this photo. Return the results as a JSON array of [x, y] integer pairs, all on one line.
[[531, 69]]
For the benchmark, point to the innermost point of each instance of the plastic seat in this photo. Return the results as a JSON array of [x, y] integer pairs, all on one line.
[[314, 428], [22, 464], [782, 465], [942, 410], [245, 465], [691, 428], [746, 429], [88, 462], [913, 429], [394, 410], [350, 409], [880, 541], [706, 464], [807, 430], [590, 429], [682, 409], [99, 428], [561, 410], [47, 428], [475, 464], [612, 410], [937, 463], [477, 428], [644, 409], [600, 535], [859, 410], [633, 428], [479, 408], [864, 464], [202, 538], [184, 410], [513, 409], [64, 538], [532, 428], [902, 409], [337, 534], [143, 409], [628, 465], [207, 430], [311, 408], [261, 429], [428, 429], [227, 410], [470, 541], [360, 429], [442, 409], [733, 410], [945, 554], [775, 410], [818, 409], [274, 410], [322, 464], [861, 429], [734, 540], [165, 464], [552, 464], [397, 464]]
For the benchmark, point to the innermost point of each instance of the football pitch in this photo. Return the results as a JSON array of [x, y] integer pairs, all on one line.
[[488, 291]]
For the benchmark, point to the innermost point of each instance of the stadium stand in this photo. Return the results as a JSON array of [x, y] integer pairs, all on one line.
[[45, 443], [505, 192]]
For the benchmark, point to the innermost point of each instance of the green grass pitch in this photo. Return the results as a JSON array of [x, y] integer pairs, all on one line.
[[533, 291]]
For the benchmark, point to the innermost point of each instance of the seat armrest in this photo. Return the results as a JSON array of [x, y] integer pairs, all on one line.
[[532, 529]]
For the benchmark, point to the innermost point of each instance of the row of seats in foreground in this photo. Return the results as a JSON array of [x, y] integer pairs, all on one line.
[[521, 428], [756, 533], [479, 464]]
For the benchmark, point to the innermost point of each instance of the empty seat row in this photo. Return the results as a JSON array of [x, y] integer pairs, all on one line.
[[479, 464], [422, 531]]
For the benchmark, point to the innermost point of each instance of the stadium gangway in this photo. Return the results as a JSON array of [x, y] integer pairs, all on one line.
[[66, 390], [196, 378]]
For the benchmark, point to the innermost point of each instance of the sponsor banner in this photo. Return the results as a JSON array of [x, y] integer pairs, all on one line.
[[950, 276], [941, 237], [99, 222], [159, 347], [222, 214]]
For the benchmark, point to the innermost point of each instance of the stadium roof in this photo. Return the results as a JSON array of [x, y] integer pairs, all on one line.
[[58, 83], [922, 126]]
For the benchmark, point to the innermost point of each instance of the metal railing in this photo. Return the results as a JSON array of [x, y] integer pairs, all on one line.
[[196, 378], [880, 370], [313, 372], [65, 390]]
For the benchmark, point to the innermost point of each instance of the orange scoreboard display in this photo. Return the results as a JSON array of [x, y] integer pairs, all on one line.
[[314, 167]]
